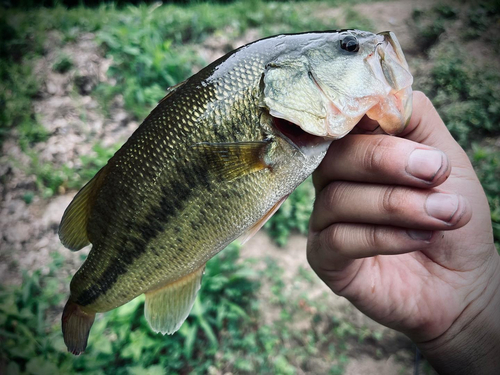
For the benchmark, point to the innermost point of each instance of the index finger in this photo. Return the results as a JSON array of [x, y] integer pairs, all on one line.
[[391, 160], [382, 159]]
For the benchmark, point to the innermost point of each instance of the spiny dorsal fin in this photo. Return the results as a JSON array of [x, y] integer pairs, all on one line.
[[167, 307], [234, 160], [171, 90], [73, 227], [250, 232]]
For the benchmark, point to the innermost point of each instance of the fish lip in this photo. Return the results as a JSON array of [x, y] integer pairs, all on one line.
[[392, 39], [386, 50], [390, 67]]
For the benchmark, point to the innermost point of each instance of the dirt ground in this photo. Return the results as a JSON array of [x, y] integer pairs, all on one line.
[[75, 121]]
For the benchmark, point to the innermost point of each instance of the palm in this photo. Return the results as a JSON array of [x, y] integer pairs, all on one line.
[[399, 297]]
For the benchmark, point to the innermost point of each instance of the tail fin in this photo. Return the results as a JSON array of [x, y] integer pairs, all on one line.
[[76, 325]]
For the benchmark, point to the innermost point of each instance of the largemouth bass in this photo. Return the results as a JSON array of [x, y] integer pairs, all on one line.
[[214, 160]]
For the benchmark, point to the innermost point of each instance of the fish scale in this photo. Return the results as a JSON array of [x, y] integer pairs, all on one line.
[[109, 294], [212, 161]]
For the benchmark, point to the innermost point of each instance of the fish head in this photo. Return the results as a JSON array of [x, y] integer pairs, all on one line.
[[328, 81]]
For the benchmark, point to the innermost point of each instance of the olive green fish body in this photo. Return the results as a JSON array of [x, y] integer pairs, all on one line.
[[213, 159], [162, 212]]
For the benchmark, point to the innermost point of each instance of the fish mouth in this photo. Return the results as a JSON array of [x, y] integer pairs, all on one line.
[[389, 65], [306, 143]]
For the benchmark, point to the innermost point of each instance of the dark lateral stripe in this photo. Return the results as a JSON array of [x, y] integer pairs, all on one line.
[[174, 198]]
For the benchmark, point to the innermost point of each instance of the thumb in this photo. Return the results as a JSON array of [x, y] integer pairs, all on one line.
[[426, 127]]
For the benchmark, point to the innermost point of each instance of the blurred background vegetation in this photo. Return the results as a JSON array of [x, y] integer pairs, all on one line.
[[150, 47]]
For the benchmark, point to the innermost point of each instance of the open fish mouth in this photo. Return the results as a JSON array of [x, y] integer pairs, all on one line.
[[327, 110], [305, 142]]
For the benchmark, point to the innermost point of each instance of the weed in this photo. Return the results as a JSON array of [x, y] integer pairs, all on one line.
[[28, 342], [150, 44], [481, 17], [51, 179], [121, 341], [431, 23], [89, 165], [31, 132], [354, 20], [28, 197], [465, 95], [62, 64], [486, 161], [48, 178], [18, 87]]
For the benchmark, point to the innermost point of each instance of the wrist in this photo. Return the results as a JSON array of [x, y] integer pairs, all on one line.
[[472, 343]]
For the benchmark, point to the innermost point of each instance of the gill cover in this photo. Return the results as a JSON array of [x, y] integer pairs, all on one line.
[[291, 94]]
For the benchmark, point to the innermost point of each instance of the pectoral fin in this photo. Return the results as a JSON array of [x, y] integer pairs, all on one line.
[[73, 227], [166, 308], [234, 160]]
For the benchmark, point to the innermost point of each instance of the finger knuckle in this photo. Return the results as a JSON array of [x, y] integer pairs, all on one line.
[[331, 238], [374, 237], [312, 249], [332, 194], [375, 155], [392, 200]]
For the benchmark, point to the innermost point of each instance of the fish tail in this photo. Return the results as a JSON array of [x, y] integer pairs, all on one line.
[[76, 325]]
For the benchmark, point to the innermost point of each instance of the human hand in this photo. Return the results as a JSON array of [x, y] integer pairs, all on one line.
[[401, 227]]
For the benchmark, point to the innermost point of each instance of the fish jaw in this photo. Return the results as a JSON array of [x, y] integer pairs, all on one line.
[[389, 65], [309, 145]]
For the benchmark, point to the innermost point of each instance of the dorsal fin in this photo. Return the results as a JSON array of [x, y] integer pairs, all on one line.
[[171, 90], [73, 227], [167, 307]]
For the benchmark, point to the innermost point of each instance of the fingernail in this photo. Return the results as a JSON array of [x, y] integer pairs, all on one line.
[[442, 206], [425, 164], [420, 235]]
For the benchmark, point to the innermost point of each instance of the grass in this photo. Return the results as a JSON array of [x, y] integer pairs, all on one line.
[[63, 64], [465, 89], [51, 179], [155, 47], [224, 329], [120, 341], [486, 161], [152, 48]]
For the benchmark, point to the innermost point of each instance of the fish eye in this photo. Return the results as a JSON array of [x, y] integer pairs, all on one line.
[[350, 44]]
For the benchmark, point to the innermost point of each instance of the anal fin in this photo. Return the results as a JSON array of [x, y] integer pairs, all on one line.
[[167, 307]]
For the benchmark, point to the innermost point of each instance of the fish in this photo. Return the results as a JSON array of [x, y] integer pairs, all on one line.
[[214, 160]]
